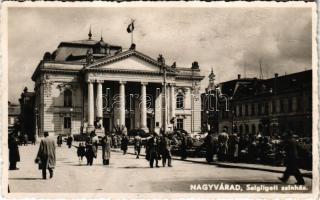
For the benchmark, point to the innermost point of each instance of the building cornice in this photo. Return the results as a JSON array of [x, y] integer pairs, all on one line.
[[124, 55], [121, 71]]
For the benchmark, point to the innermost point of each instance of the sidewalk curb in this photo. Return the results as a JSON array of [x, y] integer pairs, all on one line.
[[226, 165]]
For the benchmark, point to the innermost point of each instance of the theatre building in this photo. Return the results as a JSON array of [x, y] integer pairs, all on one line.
[[88, 82]]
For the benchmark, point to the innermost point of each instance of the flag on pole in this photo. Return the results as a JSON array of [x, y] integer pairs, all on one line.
[[130, 27]]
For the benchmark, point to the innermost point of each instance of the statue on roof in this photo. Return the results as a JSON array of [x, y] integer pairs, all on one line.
[[195, 65], [133, 46], [174, 65], [161, 60], [89, 57]]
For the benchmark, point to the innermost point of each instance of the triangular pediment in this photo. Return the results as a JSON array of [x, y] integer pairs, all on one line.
[[128, 61]]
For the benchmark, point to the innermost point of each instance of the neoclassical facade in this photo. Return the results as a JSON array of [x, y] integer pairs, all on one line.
[[88, 82]]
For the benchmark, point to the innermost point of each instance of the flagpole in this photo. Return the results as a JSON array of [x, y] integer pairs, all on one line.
[[132, 37], [132, 31]]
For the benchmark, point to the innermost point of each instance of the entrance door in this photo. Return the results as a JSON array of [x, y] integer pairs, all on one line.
[[150, 123], [106, 123]]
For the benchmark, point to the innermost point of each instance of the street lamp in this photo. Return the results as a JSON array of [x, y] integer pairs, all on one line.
[[71, 110], [163, 68], [36, 112]]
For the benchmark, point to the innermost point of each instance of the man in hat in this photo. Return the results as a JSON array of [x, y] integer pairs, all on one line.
[[153, 148], [291, 160], [137, 145], [47, 155], [165, 146], [106, 149], [14, 155]]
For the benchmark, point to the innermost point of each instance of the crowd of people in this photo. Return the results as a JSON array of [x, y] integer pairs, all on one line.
[[231, 147], [254, 148]]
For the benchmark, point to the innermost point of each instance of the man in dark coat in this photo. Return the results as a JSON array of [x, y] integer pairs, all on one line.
[[223, 145], [106, 149], [291, 161], [124, 144], [47, 155], [210, 146], [69, 141], [233, 147], [183, 147], [153, 149], [165, 147], [59, 140], [91, 152], [14, 155]]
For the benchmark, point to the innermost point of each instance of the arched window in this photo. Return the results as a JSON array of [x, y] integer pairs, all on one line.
[[180, 101], [67, 98]]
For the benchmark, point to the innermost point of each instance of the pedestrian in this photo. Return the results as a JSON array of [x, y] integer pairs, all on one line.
[[291, 160], [90, 152], [124, 144], [106, 149], [183, 147], [33, 140], [81, 151], [233, 147], [210, 146], [165, 147], [69, 141], [137, 145], [59, 140], [153, 149], [95, 139], [25, 139], [14, 155], [223, 145], [47, 155]]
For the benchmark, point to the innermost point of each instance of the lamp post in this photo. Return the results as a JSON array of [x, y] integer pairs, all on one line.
[[71, 110], [163, 68], [36, 112]]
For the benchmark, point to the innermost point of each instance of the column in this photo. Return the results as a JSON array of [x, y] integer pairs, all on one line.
[[187, 99], [99, 103], [173, 102], [90, 107], [122, 111], [144, 107]]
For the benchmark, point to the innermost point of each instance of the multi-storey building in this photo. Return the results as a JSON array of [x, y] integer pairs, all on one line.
[[267, 106]]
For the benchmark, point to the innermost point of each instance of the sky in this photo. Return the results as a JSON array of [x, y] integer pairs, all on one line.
[[228, 40]]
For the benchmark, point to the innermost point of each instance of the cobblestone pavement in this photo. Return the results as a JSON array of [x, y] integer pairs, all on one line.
[[128, 174]]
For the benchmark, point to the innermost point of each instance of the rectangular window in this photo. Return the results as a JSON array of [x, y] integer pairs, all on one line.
[[246, 110], [290, 105], [179, 123], [253, 110], [281, 105], [180, 101], [266, 108], [298, 104], [274, 106], [67, 122], [259, 109]]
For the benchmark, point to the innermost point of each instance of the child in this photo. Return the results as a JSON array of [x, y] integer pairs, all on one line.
[[81, 152]]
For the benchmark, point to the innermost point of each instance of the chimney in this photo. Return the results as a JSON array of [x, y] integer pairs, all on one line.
[[276, 75], [239, 76]]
